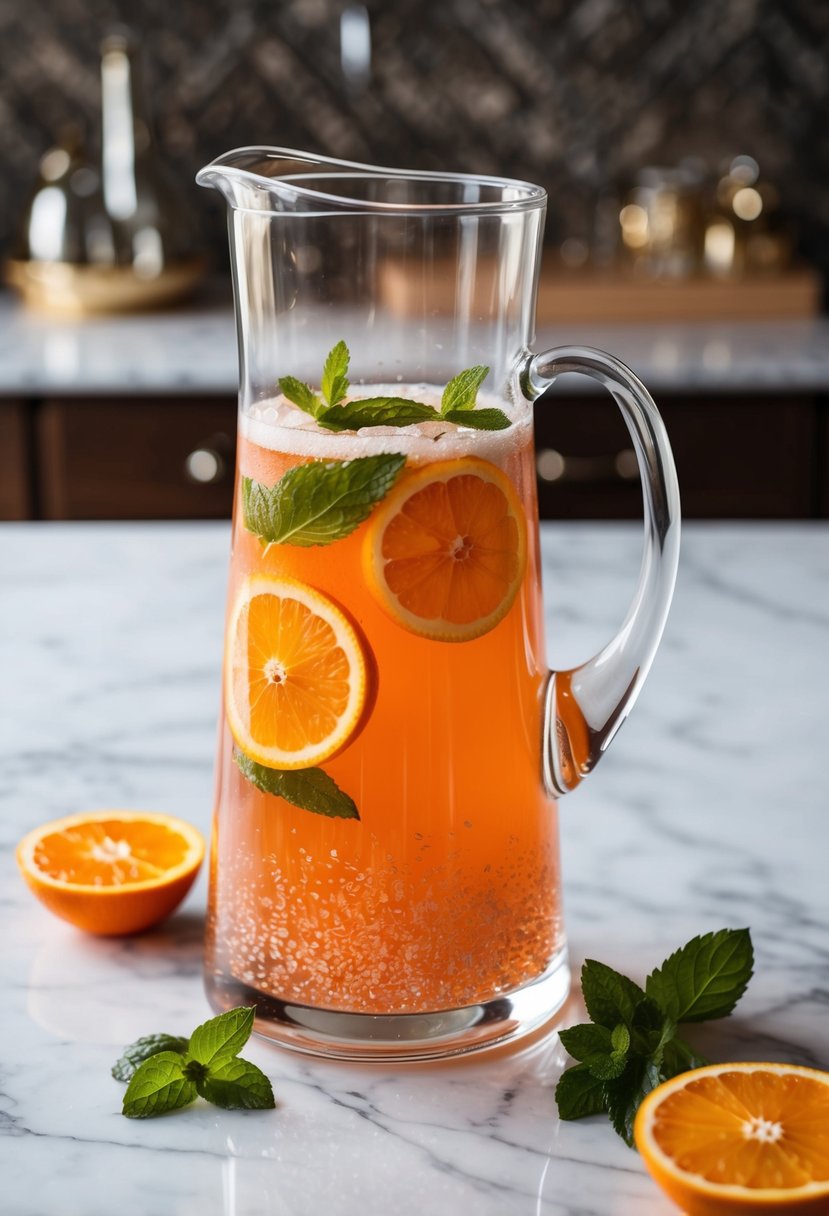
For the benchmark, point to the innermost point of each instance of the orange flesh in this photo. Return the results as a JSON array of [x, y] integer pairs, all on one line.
[[751, 1129], [446, 892], [110, 853], [453, 551], [297, 675]]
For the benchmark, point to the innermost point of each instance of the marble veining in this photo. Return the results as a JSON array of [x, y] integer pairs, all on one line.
[[709, 810], [192, 350]]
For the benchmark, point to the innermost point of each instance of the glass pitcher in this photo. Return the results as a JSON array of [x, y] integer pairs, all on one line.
[[385, 874]]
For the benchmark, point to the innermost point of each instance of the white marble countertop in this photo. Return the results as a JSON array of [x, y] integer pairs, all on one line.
[[192, 350], [710, 810]]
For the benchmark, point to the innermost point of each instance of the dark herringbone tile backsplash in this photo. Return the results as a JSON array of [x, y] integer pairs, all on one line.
[[576, 94]]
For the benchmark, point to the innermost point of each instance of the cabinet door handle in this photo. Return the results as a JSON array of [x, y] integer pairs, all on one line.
[[553, 466], [211, 460], [206, 465]]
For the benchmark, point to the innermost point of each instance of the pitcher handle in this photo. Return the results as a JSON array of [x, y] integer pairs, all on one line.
[[585, 706]]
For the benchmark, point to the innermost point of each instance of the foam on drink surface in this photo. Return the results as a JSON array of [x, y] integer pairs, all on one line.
[[276, 424]]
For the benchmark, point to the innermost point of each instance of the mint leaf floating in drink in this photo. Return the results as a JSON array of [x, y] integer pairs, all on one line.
[[141, 1050], [334, 384], [334, 413], [207, 1065], [318, 503], [461, 393], [632, 1044], [377, 411], [489, 419], [310, 789], [302, 395]]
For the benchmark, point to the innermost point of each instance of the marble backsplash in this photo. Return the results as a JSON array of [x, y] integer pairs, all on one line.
[[576, 94]]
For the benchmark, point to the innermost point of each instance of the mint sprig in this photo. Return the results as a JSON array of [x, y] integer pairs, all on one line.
[[311, 789], [150, 1045], [334, 413], [163, 1080], [334, 383], [318, 503], [632, 1044]]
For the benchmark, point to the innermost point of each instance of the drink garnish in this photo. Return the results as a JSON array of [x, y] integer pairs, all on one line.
[[445, 553], [166, 1072], [631, 1044], [298, 674], [331, 411], [311, 789], [318, 503]]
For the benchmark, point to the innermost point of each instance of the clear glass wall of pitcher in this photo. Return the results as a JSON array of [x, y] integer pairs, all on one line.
[[385, 873]]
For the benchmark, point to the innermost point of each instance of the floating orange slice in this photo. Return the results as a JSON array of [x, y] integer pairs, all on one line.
[[111, 872], [739, 1138], [446, 550], [296, 674]]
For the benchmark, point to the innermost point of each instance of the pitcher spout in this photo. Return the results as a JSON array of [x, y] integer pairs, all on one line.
[[259, 178], [283, 179]]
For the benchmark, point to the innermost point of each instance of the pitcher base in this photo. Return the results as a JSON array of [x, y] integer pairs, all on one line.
[[404, 1036]]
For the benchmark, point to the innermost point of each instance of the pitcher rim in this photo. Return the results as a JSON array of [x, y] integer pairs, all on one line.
[[533, 197]]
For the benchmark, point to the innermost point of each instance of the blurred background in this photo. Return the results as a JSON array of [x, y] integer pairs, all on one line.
[[684, 146]]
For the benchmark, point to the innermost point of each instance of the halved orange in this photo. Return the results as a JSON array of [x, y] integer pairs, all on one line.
[[446, 550], [739, 1138], [111, 872], [296, 674]]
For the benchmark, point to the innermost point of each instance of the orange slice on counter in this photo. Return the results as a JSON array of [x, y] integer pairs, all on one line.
[[111, 872], [296, 674], [446, 550], [739, 1138]]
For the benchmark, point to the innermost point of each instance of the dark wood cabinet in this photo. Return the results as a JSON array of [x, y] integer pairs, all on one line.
[[738, 457], [16, 497], [823, 460], [141, 458]]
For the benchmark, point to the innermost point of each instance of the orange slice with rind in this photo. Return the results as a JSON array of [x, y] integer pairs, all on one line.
[[445, 551], [296, 674], [111, 872], [730, 1139]]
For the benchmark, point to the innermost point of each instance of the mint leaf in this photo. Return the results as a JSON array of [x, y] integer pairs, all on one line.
[[311, 789], [301, 394], [612, 1065], [334, 383], [586, 1040], [594, 1046], [610, 997], [706, 978], [607, 1068], [578, 1094], [142, 1049], [462, 391], [625, 1094], [632, 1045], [334, 413], [479, 420], [237, 1085], [318, 503], [157, 1086], [678, 1057], [219, 1039], [377, 411]]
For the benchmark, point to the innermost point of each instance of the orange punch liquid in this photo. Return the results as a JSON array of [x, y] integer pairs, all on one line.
[[445, 892]]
